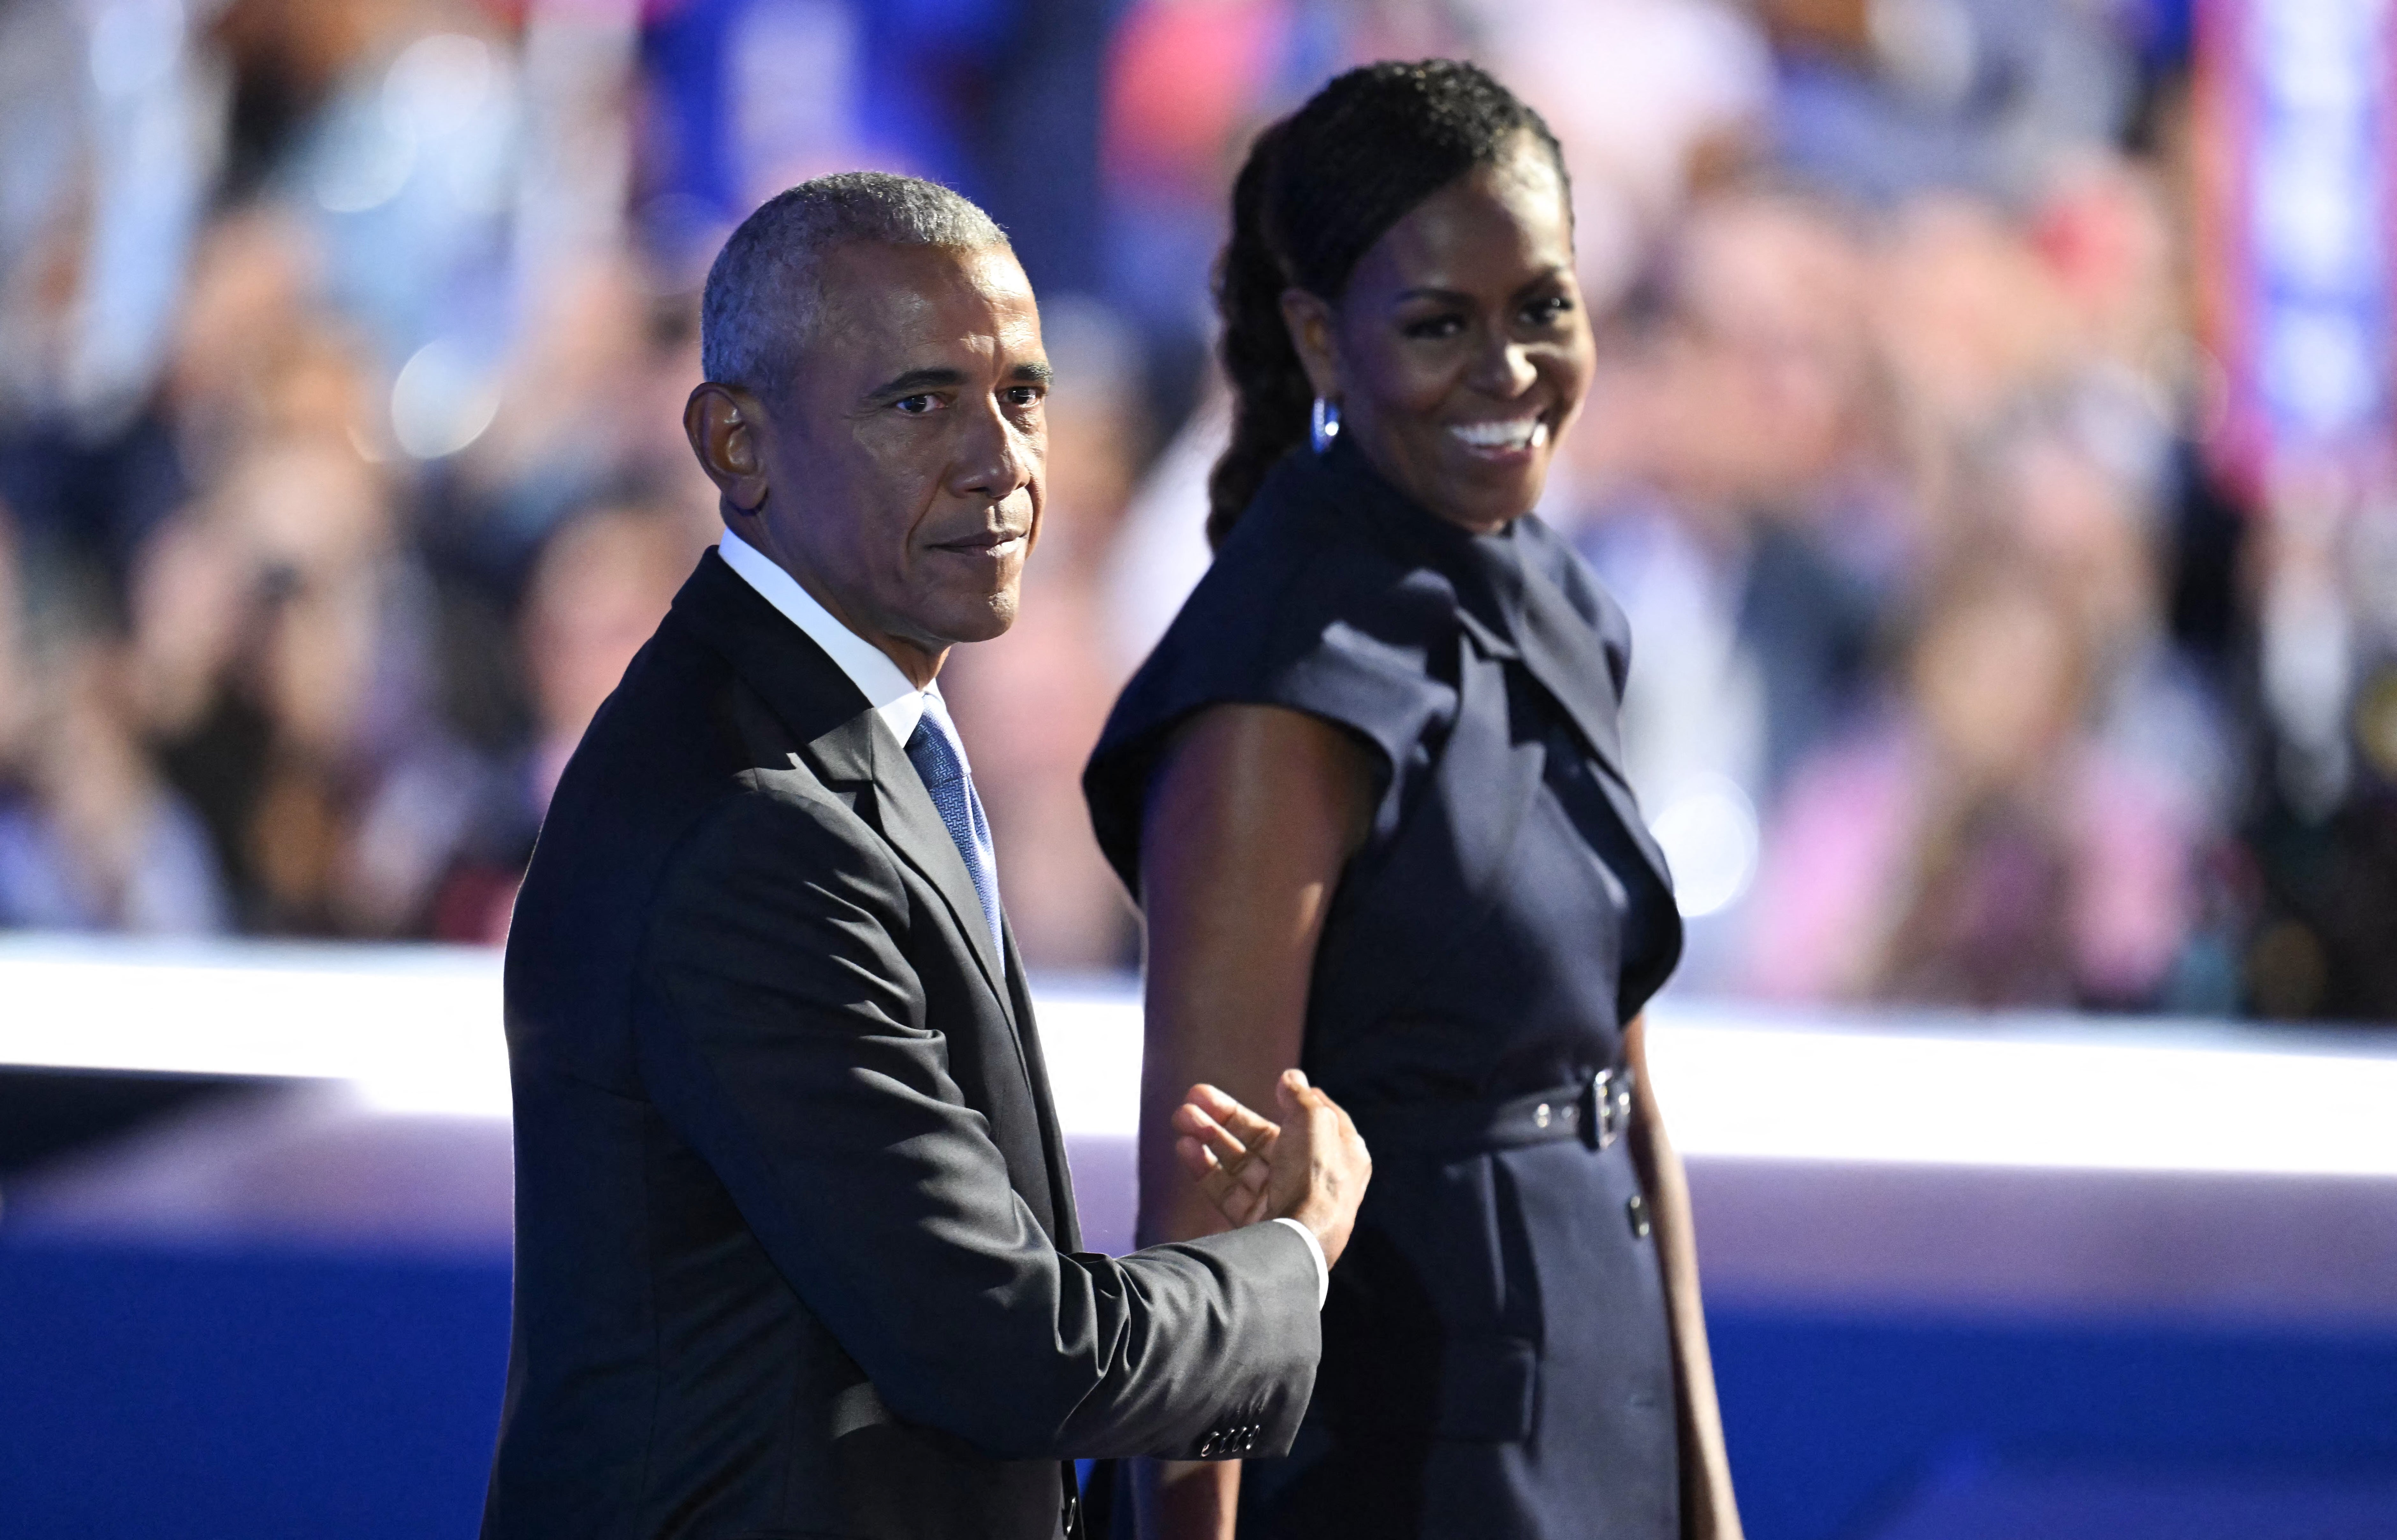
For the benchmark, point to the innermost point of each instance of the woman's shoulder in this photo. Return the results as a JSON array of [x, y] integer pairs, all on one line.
[[1303, 578], [1304, 608]]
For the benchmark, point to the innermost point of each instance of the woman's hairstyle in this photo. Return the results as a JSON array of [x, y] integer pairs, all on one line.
[[1320, 188]]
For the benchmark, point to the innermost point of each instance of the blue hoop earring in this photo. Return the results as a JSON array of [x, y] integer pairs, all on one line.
[[1326, 426]]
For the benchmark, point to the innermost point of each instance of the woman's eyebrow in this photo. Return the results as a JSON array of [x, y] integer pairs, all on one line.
[[1458, 296]]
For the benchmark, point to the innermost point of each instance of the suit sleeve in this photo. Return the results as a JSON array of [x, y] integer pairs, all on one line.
[[782, 1034]]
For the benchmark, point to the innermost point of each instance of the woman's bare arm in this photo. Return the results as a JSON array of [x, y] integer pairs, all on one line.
[[1254, 813], [1707, 1508]]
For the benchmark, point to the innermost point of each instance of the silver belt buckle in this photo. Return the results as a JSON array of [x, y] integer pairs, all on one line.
[[1611, 1093]]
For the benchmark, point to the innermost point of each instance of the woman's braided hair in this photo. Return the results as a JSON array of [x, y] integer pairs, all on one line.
[[1320, 188]]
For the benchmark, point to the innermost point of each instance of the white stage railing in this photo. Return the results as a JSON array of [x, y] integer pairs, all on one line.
[[416, 1030], [1985, 1164]]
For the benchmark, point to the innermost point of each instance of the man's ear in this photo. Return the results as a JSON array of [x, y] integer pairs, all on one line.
[[1309, 320], [723, 423]]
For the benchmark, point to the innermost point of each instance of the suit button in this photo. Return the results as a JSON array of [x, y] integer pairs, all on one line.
[[1210, 1446], [1637, 1210]]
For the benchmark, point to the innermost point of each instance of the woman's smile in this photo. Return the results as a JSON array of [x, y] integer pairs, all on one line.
[[1503, 441]]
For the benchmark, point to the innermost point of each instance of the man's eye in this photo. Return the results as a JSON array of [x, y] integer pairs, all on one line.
[[916, 406], [1023, 395]]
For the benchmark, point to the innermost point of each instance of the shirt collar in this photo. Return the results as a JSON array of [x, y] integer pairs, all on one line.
[[893, 697]]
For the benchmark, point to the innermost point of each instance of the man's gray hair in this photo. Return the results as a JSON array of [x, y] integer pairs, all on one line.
[[763, 293]]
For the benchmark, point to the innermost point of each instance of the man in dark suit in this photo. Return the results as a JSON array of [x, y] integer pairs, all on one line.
[[795, 1246]]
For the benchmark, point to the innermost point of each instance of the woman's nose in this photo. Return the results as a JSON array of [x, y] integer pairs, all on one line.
[[1505, 371]]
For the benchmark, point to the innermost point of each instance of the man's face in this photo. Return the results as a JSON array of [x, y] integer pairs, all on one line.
[[904, 465]]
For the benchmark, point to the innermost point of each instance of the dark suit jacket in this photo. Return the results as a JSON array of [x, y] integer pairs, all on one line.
[[795, 1234]]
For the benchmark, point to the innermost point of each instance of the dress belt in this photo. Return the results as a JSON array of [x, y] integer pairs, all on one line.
[[1595, 1111]]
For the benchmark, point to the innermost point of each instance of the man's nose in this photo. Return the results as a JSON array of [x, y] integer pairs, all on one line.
[[995, 458]]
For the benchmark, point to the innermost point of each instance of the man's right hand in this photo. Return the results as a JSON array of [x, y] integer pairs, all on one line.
[[1312, 1166]]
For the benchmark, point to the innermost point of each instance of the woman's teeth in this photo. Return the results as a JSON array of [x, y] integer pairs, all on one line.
[[1529, 433]]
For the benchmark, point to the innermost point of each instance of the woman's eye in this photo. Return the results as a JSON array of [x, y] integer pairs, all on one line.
[[1548, 312], [1435, 328]]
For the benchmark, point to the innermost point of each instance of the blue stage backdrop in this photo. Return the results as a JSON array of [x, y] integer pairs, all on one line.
[[250, 1394]]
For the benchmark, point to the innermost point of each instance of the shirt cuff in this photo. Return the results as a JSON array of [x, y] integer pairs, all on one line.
[[1315, 1250]]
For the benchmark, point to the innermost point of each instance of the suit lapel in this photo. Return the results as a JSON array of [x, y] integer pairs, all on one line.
[[1568, 664], [1571, 668], [1512, 609], [844, 742]]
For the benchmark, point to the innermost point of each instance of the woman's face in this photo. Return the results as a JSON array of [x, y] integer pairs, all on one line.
[[1459, 352]]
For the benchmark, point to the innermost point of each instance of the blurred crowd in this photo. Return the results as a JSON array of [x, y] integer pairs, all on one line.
[[342, 473]]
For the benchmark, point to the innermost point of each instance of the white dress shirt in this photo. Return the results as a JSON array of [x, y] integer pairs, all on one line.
[[896, 700], [892, 695]]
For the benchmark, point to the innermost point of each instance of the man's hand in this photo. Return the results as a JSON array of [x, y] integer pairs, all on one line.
[[1312, 1166]]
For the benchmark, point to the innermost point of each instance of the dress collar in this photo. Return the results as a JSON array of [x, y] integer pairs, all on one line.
[[1484, 568], [1507, 591]]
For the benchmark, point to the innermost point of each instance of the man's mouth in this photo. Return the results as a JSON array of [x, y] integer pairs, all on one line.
[[1503, 439], [994, 543]]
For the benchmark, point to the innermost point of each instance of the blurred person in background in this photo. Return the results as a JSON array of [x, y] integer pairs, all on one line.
[[602, 360], [256, 351], [2095, 538], [1733, 485], [1887, 99], [1368, 794], [1981, 846], [110, 128], [602, 582], [2323, 824], [1649, 97], [1873, 268], [1969, 324], [90, 838], [286, 663]]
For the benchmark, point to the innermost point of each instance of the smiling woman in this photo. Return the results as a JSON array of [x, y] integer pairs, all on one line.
[[1458, 351], [1369, 793]]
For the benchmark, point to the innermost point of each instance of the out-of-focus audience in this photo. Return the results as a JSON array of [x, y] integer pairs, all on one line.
[[1976, 841], [341, 470]]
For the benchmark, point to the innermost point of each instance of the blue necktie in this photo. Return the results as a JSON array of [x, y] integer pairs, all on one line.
[[941, 760]]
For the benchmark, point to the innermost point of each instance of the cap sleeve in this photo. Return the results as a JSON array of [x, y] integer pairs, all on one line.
[[1294, 613]]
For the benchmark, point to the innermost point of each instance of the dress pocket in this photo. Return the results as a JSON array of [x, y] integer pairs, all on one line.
[[1487, 1389], [1447, 1338]]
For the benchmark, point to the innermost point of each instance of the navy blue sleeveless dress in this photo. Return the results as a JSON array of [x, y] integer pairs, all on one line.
[[1496, 1361]]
